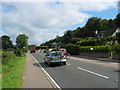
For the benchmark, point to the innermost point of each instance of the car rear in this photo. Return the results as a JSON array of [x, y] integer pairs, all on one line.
[[56, 57]]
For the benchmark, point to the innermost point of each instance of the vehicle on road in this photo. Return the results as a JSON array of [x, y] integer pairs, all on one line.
[[32, 48], [62, 49], [54, 57], [66, 54]]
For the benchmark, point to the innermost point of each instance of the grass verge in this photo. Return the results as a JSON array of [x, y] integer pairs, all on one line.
[[12, 73]]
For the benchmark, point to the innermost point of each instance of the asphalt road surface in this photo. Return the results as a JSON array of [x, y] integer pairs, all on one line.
[[76, 74]]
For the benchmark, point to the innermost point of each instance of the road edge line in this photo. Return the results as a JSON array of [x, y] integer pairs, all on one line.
[[48, 76]]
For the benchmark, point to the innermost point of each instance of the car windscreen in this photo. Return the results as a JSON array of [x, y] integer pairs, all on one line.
[[55, 54]]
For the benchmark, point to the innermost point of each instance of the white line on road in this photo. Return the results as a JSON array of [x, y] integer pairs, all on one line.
[[67, 63], [48, 76], [93, 73]]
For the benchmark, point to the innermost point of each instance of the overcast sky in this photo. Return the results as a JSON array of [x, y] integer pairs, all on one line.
[[42, 21]]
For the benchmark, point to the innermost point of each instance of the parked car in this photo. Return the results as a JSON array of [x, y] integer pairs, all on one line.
[[54, 57]]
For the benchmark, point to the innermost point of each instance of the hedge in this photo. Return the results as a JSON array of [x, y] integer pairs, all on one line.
[[72, 49], [117, 48], [89, 42], [103, 48], [96, 42]]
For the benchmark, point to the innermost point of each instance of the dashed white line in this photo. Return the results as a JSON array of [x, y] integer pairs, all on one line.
[[93, 73], [67, 64]]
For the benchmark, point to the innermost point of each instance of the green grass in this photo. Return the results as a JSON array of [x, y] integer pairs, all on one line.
[[12, 74]]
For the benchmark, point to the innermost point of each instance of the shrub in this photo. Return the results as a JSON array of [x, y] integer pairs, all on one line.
[[19, 52], [7, 57], [117, 48], [10, 49], [89, 42], [103, 48], [72, 49], [85, 48]]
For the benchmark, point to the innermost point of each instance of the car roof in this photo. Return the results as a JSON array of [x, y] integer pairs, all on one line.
[[53, 51]]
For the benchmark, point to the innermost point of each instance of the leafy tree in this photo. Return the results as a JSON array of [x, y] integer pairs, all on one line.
[[79, 33], [22, 42], [118, 37], [92, 25], [117, 20], [67, 36], [6, 42]]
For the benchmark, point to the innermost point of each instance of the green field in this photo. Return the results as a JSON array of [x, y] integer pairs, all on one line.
[[12, 73]]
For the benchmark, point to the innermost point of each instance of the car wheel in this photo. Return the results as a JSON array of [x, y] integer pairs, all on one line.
[[49, 64], [64, 63]]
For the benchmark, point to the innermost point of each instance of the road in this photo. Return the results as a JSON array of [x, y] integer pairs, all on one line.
[[77, 74]]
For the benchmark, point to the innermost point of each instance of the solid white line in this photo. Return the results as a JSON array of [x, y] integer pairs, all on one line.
[[48, 76], [93, 73]]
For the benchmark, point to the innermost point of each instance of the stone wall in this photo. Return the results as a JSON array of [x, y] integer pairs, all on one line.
[[116, 56], [95, 54]]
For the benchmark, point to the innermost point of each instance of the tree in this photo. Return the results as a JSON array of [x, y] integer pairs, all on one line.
[[92, 25], [117, 20], [67, 36], [22, 42], [79, 33], [6, 42], [118, 37]]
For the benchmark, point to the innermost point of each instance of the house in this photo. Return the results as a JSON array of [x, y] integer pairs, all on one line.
[[108, 32], [117, 31]]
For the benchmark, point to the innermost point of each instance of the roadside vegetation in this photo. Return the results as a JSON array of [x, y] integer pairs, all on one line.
[[13, 60], [12, 71], [90, 37]]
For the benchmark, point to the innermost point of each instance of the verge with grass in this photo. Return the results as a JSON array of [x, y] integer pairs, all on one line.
[[12, 73]]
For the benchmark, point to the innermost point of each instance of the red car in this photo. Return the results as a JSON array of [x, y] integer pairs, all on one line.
[[65, 54]]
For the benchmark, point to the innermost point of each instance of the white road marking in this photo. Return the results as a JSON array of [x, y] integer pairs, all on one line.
[[48, 76], [67, 63], [93, 73]]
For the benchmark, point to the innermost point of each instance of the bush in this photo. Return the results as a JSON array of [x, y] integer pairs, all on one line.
[[72, 49], [103, 48], [7, 57], [117, 48], [10, 49], [85, 48], [89, 42], [19, 52]]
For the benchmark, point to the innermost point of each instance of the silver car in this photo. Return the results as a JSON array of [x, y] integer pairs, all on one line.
[[54, 57]]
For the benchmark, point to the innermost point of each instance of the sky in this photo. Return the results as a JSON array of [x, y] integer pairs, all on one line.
[[43, 20]]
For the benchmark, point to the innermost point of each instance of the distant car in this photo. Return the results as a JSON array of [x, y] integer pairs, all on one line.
[[54, 57], [66, 54], [62, 49]]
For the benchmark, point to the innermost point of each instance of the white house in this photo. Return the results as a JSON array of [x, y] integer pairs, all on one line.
[[117, 31]]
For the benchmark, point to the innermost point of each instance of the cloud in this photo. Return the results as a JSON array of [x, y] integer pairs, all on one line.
[[41, 21]]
